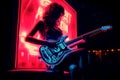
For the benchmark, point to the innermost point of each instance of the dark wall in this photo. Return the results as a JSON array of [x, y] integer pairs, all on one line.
[[92, 14], [9, 28]]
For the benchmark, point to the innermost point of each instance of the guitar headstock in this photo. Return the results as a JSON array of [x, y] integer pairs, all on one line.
[[105, 28]]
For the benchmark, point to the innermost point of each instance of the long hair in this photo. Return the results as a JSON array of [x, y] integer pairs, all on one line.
[[52, 13]]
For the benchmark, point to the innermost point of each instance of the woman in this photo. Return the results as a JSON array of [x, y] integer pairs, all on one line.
[[51, 33]]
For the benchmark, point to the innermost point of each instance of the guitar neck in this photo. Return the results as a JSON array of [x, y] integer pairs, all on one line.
[[88, 34]]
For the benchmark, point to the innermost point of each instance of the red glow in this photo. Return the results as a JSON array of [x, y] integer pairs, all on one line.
[[30, 13]]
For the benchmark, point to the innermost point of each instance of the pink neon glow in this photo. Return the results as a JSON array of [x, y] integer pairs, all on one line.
[[31, 13]]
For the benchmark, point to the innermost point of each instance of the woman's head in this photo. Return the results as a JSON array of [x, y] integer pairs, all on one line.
[[52, 13]]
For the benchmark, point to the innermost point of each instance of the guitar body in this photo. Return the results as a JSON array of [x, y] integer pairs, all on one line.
[[54, 56]]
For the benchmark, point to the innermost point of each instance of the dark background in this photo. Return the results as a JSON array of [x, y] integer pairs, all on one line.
[[94, 14], [90, 15]]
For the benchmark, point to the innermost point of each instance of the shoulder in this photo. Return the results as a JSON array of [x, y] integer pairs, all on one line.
[[40, 23]]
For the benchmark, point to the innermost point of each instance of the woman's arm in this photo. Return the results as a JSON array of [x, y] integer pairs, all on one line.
[[36, 41], [31, 39], [40, 42]]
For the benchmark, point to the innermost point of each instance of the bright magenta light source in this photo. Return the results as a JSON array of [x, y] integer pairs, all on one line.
[[30, 12]]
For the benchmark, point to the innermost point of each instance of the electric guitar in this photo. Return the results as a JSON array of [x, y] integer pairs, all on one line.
[[54, 56]]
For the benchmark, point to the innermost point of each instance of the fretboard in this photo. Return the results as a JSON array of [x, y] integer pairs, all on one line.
[[83, 36]]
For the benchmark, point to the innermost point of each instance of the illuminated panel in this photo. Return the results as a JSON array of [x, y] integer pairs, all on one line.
[[30, 12]]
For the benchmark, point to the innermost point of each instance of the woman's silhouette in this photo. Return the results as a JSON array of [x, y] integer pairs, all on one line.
[[49, 30]]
